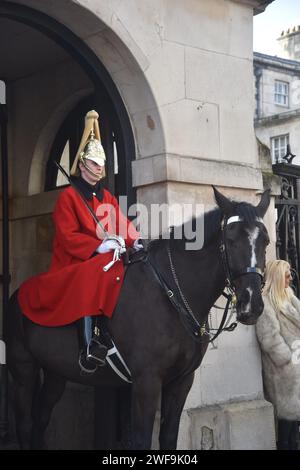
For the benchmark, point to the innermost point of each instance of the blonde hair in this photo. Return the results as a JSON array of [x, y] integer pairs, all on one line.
[[275, 283]]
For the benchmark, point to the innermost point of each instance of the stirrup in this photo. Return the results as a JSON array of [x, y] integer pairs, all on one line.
[[83, 368], [99, 361]]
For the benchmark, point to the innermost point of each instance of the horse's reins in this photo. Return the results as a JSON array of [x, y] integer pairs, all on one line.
[[186, 314], [202, 329], [183, 307]]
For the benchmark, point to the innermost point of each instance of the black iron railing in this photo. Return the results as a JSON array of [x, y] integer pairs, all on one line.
[[288, 215]]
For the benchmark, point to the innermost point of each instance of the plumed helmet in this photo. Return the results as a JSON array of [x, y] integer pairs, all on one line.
[[90, 147]]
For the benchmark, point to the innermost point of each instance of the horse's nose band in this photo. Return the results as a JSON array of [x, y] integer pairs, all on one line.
[[249, 270]]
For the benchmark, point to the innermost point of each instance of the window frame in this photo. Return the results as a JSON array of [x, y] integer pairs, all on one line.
[[279, 93], [280, 147]]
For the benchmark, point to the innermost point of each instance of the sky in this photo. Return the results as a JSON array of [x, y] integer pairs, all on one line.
[[278, 16]]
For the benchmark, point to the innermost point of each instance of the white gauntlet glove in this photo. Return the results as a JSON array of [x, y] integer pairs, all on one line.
[[109, 245], [116, 244]]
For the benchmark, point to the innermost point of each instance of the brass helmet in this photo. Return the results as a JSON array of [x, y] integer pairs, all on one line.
[[90, 147]]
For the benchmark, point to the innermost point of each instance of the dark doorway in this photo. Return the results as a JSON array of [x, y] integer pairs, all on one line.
[[116, 123]]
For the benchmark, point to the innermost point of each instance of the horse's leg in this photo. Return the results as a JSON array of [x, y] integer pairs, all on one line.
[[145, 395], [173, 399], [24, 374], [51, 392]]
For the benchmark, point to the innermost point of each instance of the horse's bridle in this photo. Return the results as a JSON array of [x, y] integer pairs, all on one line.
[[229, 278], [181, 304]]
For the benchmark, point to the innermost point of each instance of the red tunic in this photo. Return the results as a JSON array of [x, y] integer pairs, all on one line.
[[76, 285]]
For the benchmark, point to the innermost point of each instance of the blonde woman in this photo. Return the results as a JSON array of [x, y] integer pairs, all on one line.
[[278, 332]]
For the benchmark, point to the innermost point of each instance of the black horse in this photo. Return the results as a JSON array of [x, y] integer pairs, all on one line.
[[160, 351]]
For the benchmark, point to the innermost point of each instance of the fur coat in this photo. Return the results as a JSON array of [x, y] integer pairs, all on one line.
[[278, 334]]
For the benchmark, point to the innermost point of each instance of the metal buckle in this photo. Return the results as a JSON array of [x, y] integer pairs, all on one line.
[[202, 330], [170, 293]]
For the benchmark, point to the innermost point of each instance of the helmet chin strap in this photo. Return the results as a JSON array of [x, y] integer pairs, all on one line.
[[89, 170]]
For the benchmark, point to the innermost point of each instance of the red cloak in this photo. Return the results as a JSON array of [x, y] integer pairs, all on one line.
[[76, 285]]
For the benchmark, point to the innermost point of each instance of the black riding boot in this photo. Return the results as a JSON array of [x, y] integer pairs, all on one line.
[[294, 436], [284, 434], [92, 351]]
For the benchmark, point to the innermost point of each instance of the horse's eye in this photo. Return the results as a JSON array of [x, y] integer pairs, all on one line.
[[231, 231], [231, 228]]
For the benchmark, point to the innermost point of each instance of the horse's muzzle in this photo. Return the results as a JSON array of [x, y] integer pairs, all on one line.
[[250, 317], [247, 319], [250, 303]]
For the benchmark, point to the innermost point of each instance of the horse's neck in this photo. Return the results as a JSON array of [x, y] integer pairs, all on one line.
[[201, 277]]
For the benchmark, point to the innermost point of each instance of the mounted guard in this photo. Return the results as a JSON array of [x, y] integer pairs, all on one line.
[[86, 270], [145, 326]]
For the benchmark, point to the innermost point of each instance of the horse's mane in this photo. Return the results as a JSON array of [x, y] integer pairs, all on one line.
[[212, 224]]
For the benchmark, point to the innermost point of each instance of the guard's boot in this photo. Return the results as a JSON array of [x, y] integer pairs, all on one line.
[[294, 436], [284, 432], [92, 352]]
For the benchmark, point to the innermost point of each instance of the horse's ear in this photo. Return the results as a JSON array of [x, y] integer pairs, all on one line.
[[224, 204], [263, 205]]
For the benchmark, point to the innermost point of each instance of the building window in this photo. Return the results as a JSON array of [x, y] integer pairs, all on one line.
[[279, 147], [281, 93]]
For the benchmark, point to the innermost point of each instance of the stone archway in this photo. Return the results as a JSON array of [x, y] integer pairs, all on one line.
[[114, 76], [99, 42], [44, 142]]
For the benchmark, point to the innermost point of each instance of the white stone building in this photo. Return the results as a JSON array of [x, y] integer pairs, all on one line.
[[277, 83], [174, 81]]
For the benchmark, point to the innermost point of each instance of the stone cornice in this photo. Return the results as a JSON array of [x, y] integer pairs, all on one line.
[[277, 118], [153, 170], [258, 5], [276, 62], [168, 167]]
